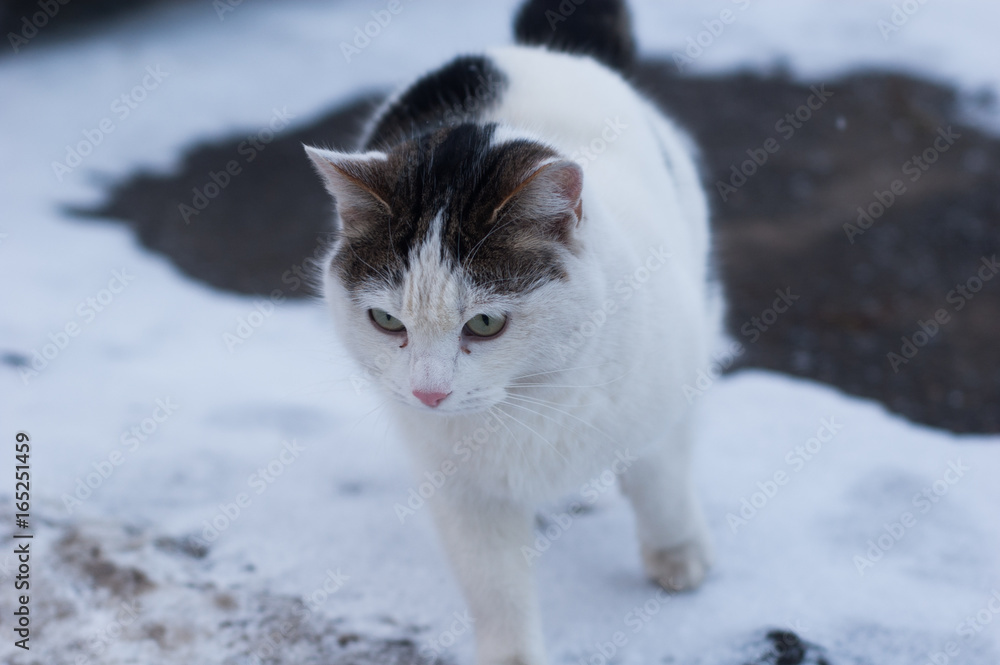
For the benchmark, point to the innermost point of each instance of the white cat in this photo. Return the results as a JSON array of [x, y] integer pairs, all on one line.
[[522, 250]]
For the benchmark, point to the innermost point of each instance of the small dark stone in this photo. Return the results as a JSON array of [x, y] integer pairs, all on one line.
[[783, 647], [14, 359]]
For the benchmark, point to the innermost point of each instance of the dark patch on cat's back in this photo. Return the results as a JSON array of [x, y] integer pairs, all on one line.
[[461, 91]]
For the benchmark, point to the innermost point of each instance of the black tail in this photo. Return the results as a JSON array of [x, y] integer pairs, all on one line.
[[598, 28]]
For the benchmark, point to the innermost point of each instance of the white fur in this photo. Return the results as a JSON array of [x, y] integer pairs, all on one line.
[[588, 392]]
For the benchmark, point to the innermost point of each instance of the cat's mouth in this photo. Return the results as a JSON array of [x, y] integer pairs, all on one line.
[[471, 402]]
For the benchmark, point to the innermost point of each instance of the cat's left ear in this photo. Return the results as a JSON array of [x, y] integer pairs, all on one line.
[[550, 196], [357, 182]]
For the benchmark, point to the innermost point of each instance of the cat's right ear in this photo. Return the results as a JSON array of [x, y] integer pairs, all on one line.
[[357, 182]]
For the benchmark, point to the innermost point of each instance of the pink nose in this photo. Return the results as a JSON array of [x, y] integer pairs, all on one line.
[[429, 398]]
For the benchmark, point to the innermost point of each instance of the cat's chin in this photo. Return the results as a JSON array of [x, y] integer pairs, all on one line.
[[467, 407], [443, 411]]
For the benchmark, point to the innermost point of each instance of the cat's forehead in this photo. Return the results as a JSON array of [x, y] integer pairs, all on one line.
[[432, 295], [431, 289], [443, 189]]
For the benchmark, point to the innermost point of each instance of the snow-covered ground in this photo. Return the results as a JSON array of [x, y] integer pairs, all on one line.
[[881, 545]]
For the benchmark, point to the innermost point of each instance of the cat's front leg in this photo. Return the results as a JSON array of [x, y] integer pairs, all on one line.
[[484, 540], [673, 537]]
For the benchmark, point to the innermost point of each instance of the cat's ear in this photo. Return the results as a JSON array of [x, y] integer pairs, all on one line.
[[357, 182], [550, 197]]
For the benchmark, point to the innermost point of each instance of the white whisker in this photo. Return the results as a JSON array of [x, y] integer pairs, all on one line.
[[378, 406], [533, 431], [554, 371], [551, 385], [520, 445], [565, 413]]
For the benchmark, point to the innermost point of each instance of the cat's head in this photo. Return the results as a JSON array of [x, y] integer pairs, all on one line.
[[456, 270]]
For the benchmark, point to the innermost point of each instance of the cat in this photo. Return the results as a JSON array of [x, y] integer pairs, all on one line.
[[522, 249]]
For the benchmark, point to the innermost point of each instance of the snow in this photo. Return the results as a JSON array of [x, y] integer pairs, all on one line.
[[330, 509], [820, 41]]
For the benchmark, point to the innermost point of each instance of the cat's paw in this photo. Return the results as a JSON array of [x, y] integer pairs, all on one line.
[[678, 568]]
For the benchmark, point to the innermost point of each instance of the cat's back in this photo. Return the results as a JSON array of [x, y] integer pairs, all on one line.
[[560, 96], [638, 165], [571, 100]]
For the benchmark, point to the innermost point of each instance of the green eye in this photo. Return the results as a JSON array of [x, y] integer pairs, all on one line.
[[483, 325], [386, 321]]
